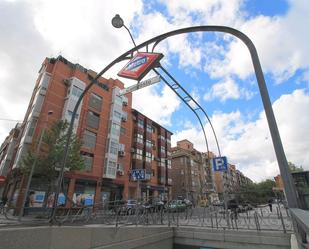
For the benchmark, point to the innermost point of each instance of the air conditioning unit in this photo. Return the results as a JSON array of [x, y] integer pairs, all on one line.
[[121, 153], [125, 101], [120, 172], [132, 150], [67, 82]]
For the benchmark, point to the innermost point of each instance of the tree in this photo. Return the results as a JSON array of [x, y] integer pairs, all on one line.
[[258, 193], [50, 155], [293, 168]]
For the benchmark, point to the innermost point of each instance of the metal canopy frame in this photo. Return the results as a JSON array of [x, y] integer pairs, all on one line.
[[281, 158]]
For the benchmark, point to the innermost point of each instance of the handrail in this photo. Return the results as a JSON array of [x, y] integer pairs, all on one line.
[[301, 226]]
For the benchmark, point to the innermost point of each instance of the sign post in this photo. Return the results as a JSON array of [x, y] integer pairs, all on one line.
[[140, 85], [220, 165], [137, 175]]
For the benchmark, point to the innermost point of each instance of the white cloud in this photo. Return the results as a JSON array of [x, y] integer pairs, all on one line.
[[158, 107], [227, 89], [280, 41], [248, 144]]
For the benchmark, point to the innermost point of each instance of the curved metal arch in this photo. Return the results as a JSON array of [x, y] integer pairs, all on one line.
[[282, 162]]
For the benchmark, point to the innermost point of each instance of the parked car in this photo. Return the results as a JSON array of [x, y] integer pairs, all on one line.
[[218, 204], [188, 203], [176, 206]]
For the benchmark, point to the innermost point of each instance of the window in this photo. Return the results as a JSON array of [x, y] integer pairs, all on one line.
[[76, 91], [89, 139], [139, 138], [117, 115], [115, 129], [148, 157], [111, 168], [122, 130], [93, 120], [148, 144], [95, 101], [140, 123], [44, 81], [138, 154], [149, 128], [162, 149], [118, 100], [121, 147], [88, 161], [182, 172], [113, 148], [162, 162], [32, 126], [169, 164], [38, 103]]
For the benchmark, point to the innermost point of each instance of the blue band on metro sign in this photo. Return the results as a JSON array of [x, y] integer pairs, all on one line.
[[140, 65]]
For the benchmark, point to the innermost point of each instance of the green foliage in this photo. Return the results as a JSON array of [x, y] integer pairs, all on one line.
[[294, 168], [258, 193], [51, 153]]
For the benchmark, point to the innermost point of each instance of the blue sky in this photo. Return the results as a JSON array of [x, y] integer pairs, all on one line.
[[216, 69]]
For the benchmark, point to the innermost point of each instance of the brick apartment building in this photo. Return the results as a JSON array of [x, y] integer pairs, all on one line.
[[115, 137], [191, 173], [234, 180]]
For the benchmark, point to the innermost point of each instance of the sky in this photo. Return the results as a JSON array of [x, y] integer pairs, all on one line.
[[214, 68]]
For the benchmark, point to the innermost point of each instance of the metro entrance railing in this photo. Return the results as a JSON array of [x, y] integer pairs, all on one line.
[[118, 213]]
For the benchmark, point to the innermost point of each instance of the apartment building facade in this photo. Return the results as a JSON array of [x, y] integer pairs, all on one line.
[[232, 181], [6, 155], [106, 124], [191, 173]]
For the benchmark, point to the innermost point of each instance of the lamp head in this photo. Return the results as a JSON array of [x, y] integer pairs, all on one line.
[[117, 21]]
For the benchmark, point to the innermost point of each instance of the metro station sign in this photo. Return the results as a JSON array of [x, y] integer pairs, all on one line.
[[140, 65]]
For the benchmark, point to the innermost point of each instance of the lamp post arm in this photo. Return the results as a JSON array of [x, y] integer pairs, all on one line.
[[130, 35]]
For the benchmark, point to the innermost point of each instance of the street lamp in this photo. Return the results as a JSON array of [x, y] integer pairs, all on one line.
[[118, 23], [21, 212]]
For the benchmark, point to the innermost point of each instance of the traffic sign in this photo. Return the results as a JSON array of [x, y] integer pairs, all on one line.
[[140, 65], [140, 85], [219, 163], [138, 174]]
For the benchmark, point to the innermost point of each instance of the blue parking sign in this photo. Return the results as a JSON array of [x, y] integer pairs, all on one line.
[[219, 163]]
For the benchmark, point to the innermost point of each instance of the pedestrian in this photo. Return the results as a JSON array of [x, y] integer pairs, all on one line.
[[270, 204], [4, 200]]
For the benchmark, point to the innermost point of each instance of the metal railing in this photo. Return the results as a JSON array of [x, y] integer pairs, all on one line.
[[173, 213], [300, 220]]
